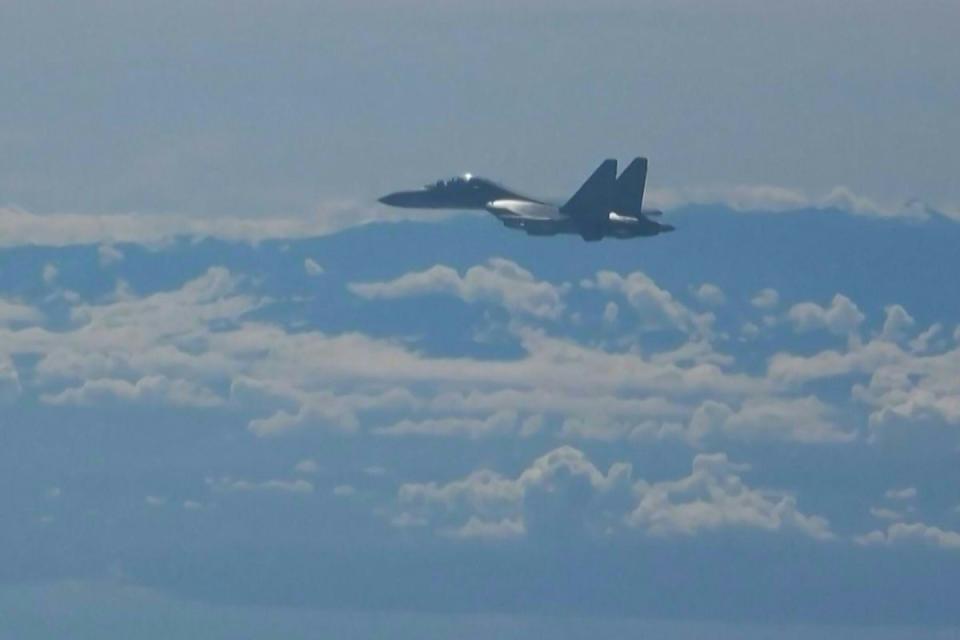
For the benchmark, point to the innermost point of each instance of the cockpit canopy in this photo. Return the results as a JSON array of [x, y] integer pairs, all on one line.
[[455, 182]]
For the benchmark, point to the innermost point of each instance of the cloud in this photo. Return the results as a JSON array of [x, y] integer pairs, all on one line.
[[777, 199], [556, 496], [20, 228], [902, 533], [766, 299], [842, 317], [804, 420], [108, 254], [907, 493], [312, 267], [611, 312], [14, 313], [227, 484], [501, 422], [710, 294], [154, 389], [714, 497], [307, 465], [498, 281], [655, 307], [897, 323], [564, 493], [50, 273], [503, 529]]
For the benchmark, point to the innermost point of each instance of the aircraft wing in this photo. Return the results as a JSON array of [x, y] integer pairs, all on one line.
[[592, 201]]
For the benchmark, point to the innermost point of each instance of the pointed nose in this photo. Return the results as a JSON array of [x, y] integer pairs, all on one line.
[[391, 199], [404, 199], [666, 228]]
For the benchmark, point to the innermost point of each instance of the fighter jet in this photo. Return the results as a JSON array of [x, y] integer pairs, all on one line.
[[604, 206]]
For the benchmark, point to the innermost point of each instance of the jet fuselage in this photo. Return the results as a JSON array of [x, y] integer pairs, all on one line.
[[604, 206], [462, 192], [539, 219]]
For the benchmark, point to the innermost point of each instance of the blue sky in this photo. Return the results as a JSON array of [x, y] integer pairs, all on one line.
[[240, 397]]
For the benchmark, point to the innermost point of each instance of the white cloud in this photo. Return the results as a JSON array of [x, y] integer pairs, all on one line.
[[108, 254], [907, 493], [611, 312], [152, 389], [307, 466], [714, 497], [562, 493], [503, 529], [50, 273], [766, 299], [804, 420], [710, 294], [228, 484], [17, 314], [344, 490], [656, 307], [884, 513], [19, 228], [10, 386], [913, 533], [553, 496], [776, 199], [897, 323], [312, 267], [498, 281], [927, 340], [499, 423], [842, 317]]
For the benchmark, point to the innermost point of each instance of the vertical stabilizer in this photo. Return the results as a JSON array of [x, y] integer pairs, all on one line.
[[593, 198], [630, 186]]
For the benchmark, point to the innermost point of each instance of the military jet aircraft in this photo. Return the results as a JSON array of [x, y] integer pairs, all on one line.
[[605, 206]]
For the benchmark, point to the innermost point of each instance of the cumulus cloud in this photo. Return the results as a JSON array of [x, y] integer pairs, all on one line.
[[710, 294], [766, 299], [228, 484], [775, 199], [13, 313], [154, 389], [655, 307], [50, 273], [553, 496], [307, 465], [312, 267], [108, 254], [564, 492], [902, 533], [842, 317], [611, 312], [907, 493], [805, 420], [501, 422], [714, 497], [498, 281], [19, 228], [897, 323]]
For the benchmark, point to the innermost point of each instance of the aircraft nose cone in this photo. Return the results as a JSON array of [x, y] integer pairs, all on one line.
[[403, 199], [666, 228], [389, 199]]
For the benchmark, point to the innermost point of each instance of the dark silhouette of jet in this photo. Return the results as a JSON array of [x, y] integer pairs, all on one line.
[[605, 206]]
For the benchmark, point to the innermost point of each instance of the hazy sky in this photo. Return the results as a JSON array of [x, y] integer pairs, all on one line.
[[266, 108], [235, 404]]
